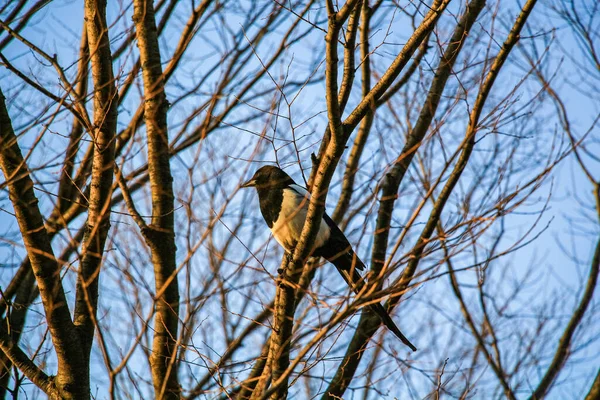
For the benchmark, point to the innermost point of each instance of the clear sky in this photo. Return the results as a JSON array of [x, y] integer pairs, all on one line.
[[566, 225]]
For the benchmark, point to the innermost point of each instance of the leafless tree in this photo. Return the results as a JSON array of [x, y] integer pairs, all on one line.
[[455, 142]]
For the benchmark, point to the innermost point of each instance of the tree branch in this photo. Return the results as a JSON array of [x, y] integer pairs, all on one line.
[[562, 352], [25, 365], [369, 323], [160, 236], [103, 134], [69, 380]]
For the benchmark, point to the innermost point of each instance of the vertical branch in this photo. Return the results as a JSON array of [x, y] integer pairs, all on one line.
[[98, 221], [278, 358], [70, 382], [259, 375], [384, 84], [337, 106], [393, 179], [66, 189], [367, 122], [66, 194], [349, 58], [467, 146], [380, 88], [160, 235]]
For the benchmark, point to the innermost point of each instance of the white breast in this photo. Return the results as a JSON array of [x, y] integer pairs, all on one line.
[[288, 227]]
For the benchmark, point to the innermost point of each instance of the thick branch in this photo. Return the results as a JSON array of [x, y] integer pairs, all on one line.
[[25, 365], [365, 126], [160, 235], [43, 262], [66, 188], [98, 221]]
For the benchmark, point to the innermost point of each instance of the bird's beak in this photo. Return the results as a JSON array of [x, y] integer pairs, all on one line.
[[249, 183]]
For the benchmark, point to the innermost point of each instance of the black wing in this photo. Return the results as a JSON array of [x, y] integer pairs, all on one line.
[[338, 251], [356, 282]]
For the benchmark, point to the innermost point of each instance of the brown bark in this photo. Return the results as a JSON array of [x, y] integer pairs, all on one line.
[[355, 351], [244, 67], [67, 191], [26, 366], [279, 346], [365, 126], [594, 393], [23, 284], [369, 323], [160, 234], [103, 134], [390, 75], [331, 151], [71, 380]]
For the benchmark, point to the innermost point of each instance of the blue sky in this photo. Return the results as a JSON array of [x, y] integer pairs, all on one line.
[[56, 30]]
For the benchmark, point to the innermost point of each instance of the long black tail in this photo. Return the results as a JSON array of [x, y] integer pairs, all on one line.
[[355, 281]]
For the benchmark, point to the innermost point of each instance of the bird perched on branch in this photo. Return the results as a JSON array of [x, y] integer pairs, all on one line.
[[284, 206]]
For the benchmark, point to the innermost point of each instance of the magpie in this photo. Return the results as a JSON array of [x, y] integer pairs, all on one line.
[[284, 206]]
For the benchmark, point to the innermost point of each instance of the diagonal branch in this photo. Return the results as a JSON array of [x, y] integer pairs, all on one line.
[[369, 323], [594, 392], [25, 365], [496, 366], [562, 352], [43, 261]]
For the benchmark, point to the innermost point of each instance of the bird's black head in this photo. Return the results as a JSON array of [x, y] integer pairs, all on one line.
[[269, 177]]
